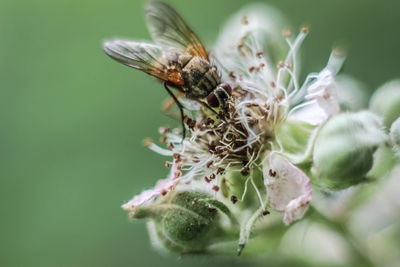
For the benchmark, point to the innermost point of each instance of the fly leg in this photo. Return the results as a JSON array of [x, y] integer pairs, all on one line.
[[169, 103], [180, 106]]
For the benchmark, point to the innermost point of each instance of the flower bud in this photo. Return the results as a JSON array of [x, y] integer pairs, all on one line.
[[183, 222], [386, 102], [344, 149], [395, 136]]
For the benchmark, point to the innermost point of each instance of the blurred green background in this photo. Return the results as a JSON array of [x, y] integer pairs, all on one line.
[[72, 120]]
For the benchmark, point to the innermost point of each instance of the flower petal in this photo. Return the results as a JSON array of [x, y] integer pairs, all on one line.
[[288, 188], [322, 100], [296, 208], [323, 90], [162, 187], [312, 114]]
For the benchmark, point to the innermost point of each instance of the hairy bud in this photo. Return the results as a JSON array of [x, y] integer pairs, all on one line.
[[395, 136], [344, 149], [386, 102], [184, 221], [352, 94]]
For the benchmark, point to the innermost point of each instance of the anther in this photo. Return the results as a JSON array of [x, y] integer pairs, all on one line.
[[189, 122], [305, 29], [260, 54], [176, 156], [281, 64], [164, 130], [196, 160], [234, 199], [147, 142], [245, 171], [163, 139], [212, 209], [286, 33], [178, 174], [209, 164]]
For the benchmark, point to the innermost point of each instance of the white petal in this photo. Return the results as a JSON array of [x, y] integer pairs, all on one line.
[[312, 114], [162, 187], [323, 90], [140, 199], [288, 188], [296, 208], [323, 101]]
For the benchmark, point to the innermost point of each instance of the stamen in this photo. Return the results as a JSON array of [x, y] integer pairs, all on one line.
[[245, 189], [258, 193], [307, 103], [158, 149], [336, 60]]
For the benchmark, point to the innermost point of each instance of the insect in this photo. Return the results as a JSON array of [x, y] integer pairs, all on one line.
[[177, 58]]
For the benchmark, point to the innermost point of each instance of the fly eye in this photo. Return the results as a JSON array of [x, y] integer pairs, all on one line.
[[212, 100], [227, 88]]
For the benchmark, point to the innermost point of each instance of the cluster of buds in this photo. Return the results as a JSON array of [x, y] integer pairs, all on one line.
[[279, 140]]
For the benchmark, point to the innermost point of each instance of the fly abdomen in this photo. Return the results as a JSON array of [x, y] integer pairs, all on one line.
[[208, 82], [211, 77]]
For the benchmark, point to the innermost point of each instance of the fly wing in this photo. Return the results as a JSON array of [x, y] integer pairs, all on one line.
[[167, 28], [142, 56]]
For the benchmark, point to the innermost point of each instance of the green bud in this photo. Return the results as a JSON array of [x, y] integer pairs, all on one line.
[[352, 94], [344, 149], [395, 136], [183, 221], [386, 102]]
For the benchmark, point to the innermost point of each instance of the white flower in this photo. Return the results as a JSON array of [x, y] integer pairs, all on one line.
[[264, 97]]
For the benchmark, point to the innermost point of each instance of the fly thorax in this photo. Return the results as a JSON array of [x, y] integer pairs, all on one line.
[[170, 58], [184, 59], [200, 77]]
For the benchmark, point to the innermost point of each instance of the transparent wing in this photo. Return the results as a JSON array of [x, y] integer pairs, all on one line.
[[138, 55], [142, 56], [167, 28]]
